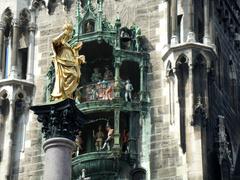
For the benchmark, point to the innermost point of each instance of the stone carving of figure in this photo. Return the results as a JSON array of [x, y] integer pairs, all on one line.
[[128, 91], [110, 134], [136, 35], [89, 27], [67, 64], [96, 75], [79, 143], [108, 75], [99, 138]]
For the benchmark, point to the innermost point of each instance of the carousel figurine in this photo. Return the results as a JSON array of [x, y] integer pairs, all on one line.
[[109, 139], [128, 91], [96, 75], [99, 138], [108, 75]]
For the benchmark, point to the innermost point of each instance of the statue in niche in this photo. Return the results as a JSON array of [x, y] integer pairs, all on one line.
[[98, 138], [124, 139], [136, 35], [108, 75], [108, 141], [128, 91], [67, 64], [79, 143], [96, 75], [89, 27]]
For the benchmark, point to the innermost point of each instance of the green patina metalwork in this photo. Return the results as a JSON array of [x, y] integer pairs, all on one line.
[[126, 43]]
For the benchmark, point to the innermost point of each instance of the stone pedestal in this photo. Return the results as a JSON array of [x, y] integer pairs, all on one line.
[[58, 159]]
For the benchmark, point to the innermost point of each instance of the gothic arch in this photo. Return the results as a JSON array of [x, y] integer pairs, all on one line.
[[199, 78], [7, 18], [169, 69], [24, 18]]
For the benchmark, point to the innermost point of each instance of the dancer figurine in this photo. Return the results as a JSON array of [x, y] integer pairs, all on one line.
[[99, 138], [128, 91], [109, 138]]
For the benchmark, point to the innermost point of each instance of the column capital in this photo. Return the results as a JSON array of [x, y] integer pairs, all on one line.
[[32, 26], [60, 119], [15, 22]]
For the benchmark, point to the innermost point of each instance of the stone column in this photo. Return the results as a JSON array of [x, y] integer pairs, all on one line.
[[58, 159], [30, 63], [174, 38], [13, 73], [117, 65], [206, 39], [8, 143], [191, 34], [143, 81], [2, 26], [61, 122], [116, 129], [193, 136]]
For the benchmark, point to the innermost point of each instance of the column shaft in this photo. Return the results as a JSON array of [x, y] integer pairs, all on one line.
[[206, 22], [8, 143], [58, 159], [191, 35], [193, 136], [143, 82], [174, 21], [30, 63], [117, 78], [1, 48], [13, 72], [116, 128]]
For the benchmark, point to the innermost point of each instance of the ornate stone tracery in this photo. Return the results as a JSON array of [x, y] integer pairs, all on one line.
[[224, 146]]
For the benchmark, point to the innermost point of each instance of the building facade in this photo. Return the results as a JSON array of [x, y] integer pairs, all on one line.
[[163, 74]]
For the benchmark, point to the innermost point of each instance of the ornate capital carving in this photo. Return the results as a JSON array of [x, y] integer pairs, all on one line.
[[61, 119], [224, 146], [15, 22], [36, 4], [199, 116], [32, 26]]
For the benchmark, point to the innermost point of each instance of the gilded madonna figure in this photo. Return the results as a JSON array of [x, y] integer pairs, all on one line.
[[67, 63]]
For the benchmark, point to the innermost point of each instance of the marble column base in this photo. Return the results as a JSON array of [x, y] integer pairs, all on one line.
[[58, 159]]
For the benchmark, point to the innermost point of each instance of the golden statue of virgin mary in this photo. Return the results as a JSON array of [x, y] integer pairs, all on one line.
[[67, 63]]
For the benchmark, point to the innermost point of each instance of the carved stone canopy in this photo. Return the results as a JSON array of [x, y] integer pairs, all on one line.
[[59, 119]]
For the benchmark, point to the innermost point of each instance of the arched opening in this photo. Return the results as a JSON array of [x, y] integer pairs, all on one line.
[[97, 75], [199, 78], [7, 17], [24, 17], [130, 71], [182, 71]]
